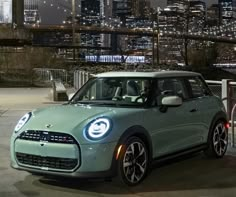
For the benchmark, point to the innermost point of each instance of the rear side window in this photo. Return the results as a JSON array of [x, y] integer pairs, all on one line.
[[172, 87], [169, 87], [197, 87]]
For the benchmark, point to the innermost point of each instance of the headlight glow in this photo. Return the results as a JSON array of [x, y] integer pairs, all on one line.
[[98, 128], [22, 122]]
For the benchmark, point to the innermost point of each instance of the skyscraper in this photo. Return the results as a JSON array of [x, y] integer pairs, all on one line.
[[5, 11], [197, 15], [213, 15], [122, 9], [226, 10], [140, 8], [177, 5], [107, 8], [91, 16], [31, 12]]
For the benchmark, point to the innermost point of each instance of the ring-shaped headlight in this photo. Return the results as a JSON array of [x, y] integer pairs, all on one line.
[[98, 128], [22, 122]]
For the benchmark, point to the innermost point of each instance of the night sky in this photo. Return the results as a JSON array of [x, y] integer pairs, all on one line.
[[54, 15]]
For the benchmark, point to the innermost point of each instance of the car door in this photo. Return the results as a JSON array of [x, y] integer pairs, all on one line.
[[205, 103], [173, 128]]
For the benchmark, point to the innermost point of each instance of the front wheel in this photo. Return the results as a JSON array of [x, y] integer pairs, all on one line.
[[133, 161], [217, 140]]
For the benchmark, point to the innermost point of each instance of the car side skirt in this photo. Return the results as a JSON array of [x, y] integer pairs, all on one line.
[[179, 153]]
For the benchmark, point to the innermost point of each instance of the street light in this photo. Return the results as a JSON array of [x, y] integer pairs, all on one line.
[[155, 34], [73, 28], [158, 34]]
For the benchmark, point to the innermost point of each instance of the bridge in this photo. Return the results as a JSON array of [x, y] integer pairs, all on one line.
[[128, 31], [45, 29]]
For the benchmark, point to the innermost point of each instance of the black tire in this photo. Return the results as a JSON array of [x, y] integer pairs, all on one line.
[[135, 155], [217, 140]]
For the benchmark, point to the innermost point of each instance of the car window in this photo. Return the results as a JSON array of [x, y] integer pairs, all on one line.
[[116, 90], [170, 87], [197, 87]]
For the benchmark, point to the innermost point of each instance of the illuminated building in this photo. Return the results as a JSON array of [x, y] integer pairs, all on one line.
[[31, 12], [90, 16], [140, 8], [5, 11], [177, 5], [122, 8], [197, 15], [213, 15], [226, 10]]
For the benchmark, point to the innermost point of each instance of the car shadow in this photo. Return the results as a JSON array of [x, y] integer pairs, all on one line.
[[186, 173]]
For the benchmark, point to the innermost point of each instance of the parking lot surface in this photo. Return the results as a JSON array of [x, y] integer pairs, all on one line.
[[191, 176]]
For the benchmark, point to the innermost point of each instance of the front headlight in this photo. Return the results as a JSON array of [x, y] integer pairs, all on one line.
[[98, 128], [22, 122]]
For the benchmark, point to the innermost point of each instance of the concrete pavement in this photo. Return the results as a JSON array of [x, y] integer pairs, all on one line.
[[24, 98], [194, 176]]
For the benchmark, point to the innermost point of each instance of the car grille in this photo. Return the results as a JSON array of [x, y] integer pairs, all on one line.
[[54, 137], [47, 162]]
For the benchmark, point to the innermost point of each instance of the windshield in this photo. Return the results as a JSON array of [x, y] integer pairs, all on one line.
[[118, 91]]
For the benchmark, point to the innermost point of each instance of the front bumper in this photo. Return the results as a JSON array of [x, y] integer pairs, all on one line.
[[69, 160]]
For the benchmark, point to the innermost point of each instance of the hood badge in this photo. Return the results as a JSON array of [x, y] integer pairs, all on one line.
[[48, 126]]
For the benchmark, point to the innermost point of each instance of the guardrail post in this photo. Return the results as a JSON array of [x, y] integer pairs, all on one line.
[[76, 79], [232, 125], [53, 90], [87, 77], [80, 78], [226, 95]]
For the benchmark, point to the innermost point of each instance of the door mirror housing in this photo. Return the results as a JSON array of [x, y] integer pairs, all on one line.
[[172, 101]]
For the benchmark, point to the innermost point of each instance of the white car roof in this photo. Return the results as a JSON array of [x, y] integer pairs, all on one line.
[[149, 74]]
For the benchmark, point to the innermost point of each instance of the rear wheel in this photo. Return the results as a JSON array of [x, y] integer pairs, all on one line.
[[133, 161], [217, 140]]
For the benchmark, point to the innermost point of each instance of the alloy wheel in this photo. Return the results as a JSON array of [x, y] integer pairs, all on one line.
[[135, 162], [220, 139]]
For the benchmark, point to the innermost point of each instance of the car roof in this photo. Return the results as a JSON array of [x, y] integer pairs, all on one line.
[[158, 74]]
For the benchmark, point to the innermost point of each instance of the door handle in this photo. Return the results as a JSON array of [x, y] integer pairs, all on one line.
[[193, 110]]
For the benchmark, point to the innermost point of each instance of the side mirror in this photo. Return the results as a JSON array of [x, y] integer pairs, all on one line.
[[172, 101], [70, 96]]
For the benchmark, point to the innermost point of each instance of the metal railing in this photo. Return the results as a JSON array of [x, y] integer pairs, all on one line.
[[48, 75], [216, 87], [226, 90], [80, 78]]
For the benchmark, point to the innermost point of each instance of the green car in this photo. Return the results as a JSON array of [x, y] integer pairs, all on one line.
[[118, 123]]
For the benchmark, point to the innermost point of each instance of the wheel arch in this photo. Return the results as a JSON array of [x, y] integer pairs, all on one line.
[[210, 150], [140, 132], [137, 131], [218, 116]]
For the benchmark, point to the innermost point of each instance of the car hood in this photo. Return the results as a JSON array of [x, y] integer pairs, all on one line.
[[65, 117]]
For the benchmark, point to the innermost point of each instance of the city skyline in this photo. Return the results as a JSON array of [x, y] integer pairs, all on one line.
[[54, 12], [46, 9], [182, 25]]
